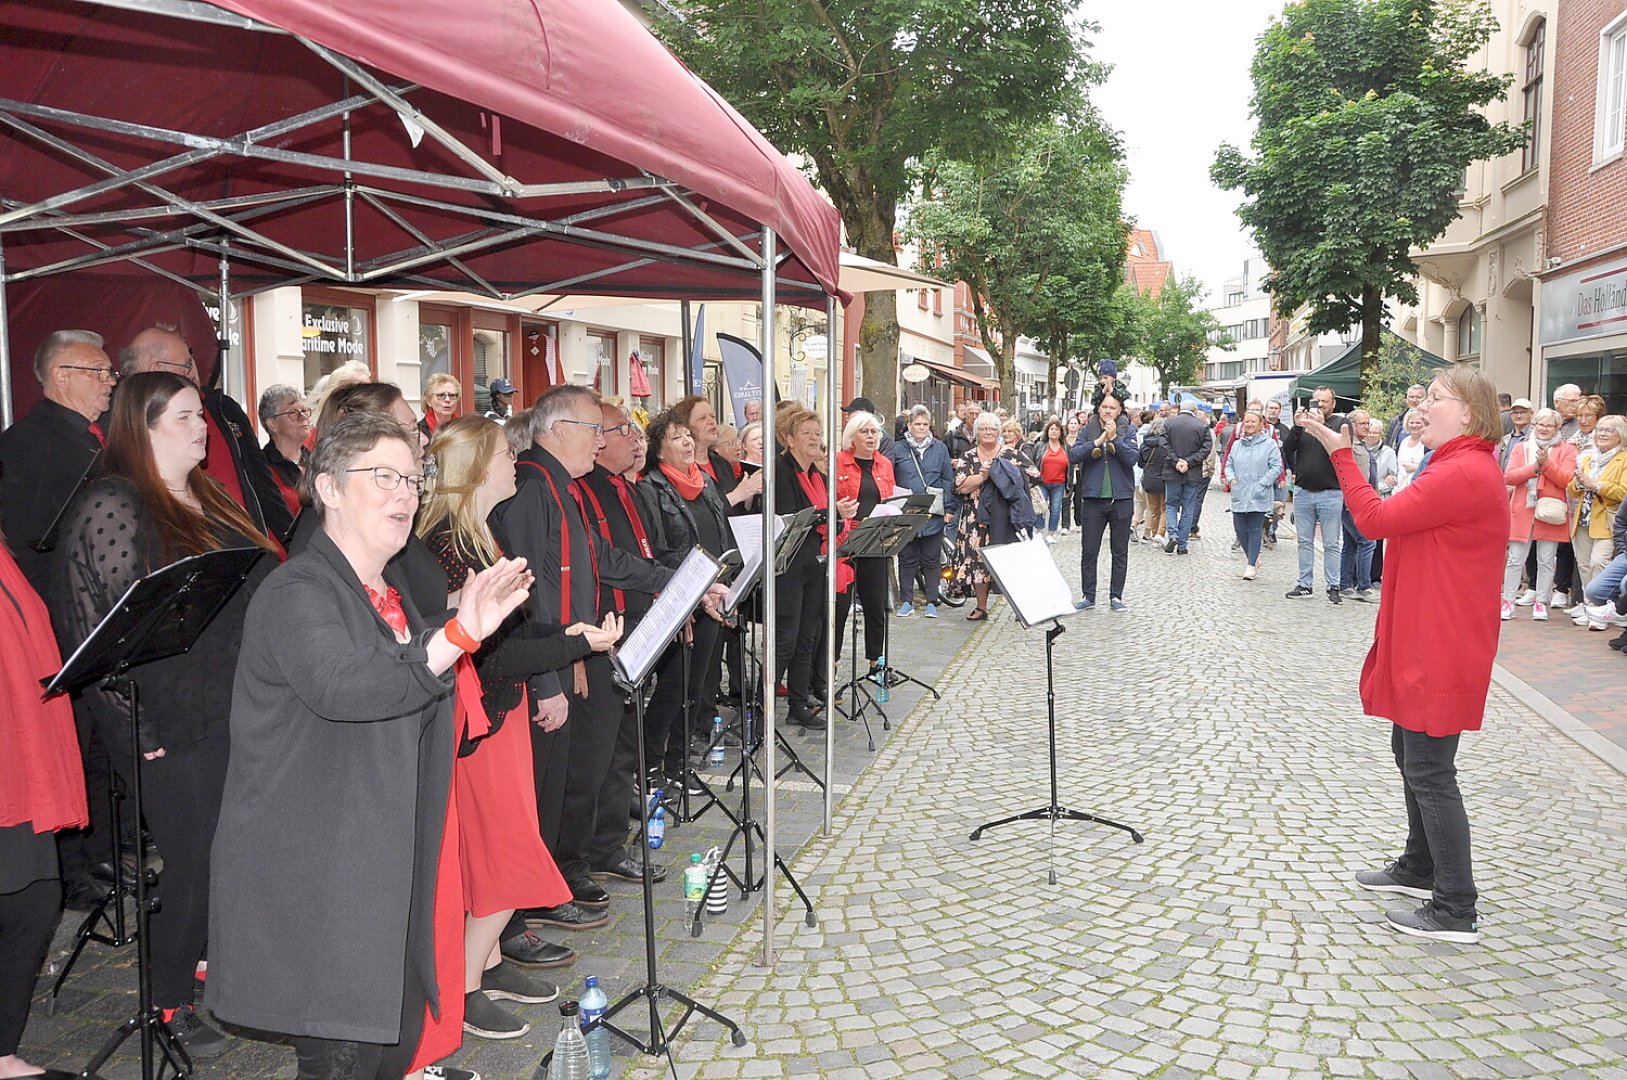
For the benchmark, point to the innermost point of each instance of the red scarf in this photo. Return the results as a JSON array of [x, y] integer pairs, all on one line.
[[389, 608], [42, 781], [813, 486], [690, 484]]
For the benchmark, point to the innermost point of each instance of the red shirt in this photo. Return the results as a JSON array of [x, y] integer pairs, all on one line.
[[1053, 465], [219, 463]]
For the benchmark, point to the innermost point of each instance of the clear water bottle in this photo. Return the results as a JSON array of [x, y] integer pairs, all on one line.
[[594, 1003], [694, 887], [714, 755], [570, 1049], [657, 834], [883, 695]]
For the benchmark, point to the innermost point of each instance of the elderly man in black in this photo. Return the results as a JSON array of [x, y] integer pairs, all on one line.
[[547, 524], [235, 457]]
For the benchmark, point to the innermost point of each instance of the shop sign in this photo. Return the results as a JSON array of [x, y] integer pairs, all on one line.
[[1590, 303]]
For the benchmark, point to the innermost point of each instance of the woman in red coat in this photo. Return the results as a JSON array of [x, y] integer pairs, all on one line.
[[865, 475], [1430, 665]]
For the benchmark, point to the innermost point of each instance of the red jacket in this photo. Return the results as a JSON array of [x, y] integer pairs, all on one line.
[[1446, 536], [847, 476]]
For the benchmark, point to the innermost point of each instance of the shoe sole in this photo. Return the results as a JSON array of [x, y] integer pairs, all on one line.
[[523, 999], [471, 1029], [592, 924], [1400, 890], [610, 875], [206, 1049], [535, 965], [596, 905], [1456, 937]]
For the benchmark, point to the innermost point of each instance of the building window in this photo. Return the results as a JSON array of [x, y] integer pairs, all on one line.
[[1608, 109], [653, 352], [1469, 333], [920, 298], [1531, 156], [332, 332], [491, 353], [602, 361], [937, 301]]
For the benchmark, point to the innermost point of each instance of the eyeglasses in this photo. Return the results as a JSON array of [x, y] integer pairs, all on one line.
[[389, 479], [179, 369], [1433, 398], [447, 395], [598, 429], [301, 412], [508, 452], [623, 428], [104, 374]]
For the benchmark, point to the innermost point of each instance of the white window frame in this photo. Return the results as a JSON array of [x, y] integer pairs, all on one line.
[[1610, 102]]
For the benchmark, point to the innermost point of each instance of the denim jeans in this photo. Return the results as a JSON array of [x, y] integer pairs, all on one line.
[[1607, 583], [1324, 508], [1437, 825], [1053, 500], [1356, 557], [1249, 526], [1181, 508]]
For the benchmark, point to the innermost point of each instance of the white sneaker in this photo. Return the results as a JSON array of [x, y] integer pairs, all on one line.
[[1526, 598], [1560, 599], [1508, 610], [1580, 619], [1539, 612], [1248, 573], [1606, 613]]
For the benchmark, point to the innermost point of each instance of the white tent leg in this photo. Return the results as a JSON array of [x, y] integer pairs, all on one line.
[[769, 724], [831, 402]]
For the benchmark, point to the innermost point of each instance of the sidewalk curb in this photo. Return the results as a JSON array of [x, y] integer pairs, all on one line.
[[1579, 733]]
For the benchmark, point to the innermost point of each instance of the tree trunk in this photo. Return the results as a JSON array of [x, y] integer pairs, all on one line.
[[870, 231], [1005, 369], [1058, 343], [1372, 320]]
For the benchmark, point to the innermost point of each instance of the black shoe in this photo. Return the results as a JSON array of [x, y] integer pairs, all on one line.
[[1619, 642], [629, 869], [82, 894], [1431, 922], [1182, 551], [806, 719], [529, 951], [566, 917], [1298, 591], [588, 893], [200, 1040], [1392, 880], [1334, 597], [508, 983], [1169, 546], [483, 1017]]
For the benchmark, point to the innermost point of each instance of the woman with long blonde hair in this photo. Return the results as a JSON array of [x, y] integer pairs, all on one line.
[[504, 863]]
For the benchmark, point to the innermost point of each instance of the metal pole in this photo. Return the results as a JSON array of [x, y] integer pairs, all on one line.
[[5, 346], [686, 334], [770, 455], [224, 334], [830, 564]]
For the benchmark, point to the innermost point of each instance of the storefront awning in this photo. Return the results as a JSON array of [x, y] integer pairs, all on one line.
[[958, 375]]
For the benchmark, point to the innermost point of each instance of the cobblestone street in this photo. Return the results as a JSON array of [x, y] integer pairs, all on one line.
[[1219, 719]]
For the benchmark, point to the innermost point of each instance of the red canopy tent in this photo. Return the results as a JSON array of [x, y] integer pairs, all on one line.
[[484, 146]]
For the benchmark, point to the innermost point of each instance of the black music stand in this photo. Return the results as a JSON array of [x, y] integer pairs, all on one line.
[[1031, 583], [159, 616], [876, 538], [633, 664]]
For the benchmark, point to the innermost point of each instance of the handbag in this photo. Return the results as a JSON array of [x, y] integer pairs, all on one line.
[[1552, 511]]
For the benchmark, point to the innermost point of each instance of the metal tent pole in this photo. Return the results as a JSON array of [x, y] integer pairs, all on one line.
[[686, 335], [5, 346], [223, 334], [770, 455], [830, 563]]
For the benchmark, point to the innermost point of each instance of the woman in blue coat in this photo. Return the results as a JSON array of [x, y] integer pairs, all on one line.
[[1106, 452], [1252, 469], [921, 463]]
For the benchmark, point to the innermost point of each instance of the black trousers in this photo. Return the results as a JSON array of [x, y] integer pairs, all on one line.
[[333, 1059], [799, 622], [1100, 515], [1437, 825], [592, 729], [182, 792], [79, 849], [27, 918], [611, 827], [870, 578], [924, 553], [664, 716]]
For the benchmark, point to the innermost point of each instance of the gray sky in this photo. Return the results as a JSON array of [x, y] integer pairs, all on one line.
[[1179, 88]]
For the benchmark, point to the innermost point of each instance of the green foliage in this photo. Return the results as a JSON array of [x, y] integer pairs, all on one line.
[[866, 90], [1367, 115], [1172, 331], [1036, 232], [1384, 384]]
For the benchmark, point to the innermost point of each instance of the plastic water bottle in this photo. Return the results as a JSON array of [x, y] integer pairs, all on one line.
[[694, 887], [594, 1003], [714, 756], [883, 695], [658, 825], [570, 1049]]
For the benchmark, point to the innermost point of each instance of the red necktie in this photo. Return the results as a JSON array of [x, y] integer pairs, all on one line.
[[96, 430]]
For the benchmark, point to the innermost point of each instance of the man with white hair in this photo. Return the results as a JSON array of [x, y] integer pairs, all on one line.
[[1566, 398], [1398, 426]]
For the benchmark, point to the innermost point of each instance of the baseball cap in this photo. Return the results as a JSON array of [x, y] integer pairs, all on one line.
[[860, 404], [501, 385], [1521, 403]]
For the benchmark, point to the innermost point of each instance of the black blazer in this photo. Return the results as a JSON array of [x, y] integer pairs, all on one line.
[[42, 457]]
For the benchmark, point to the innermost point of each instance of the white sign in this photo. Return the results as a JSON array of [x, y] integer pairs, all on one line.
[[1588, 304], [816, 346], [915, 373]]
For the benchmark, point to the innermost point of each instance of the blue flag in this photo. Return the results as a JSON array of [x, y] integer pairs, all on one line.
[[743, 372], [697, 354]]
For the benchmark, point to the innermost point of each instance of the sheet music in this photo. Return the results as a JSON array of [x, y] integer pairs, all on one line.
[[1030, 580], [748, 540], [639, 651]]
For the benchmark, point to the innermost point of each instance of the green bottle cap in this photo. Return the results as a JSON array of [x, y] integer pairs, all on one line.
[[694, 856]]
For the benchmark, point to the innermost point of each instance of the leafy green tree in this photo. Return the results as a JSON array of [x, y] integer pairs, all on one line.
[[1367, 113], [1036, 232], [865, 90], [1174, 330]]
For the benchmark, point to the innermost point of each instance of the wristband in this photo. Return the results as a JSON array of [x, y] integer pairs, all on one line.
[[457, 635]]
